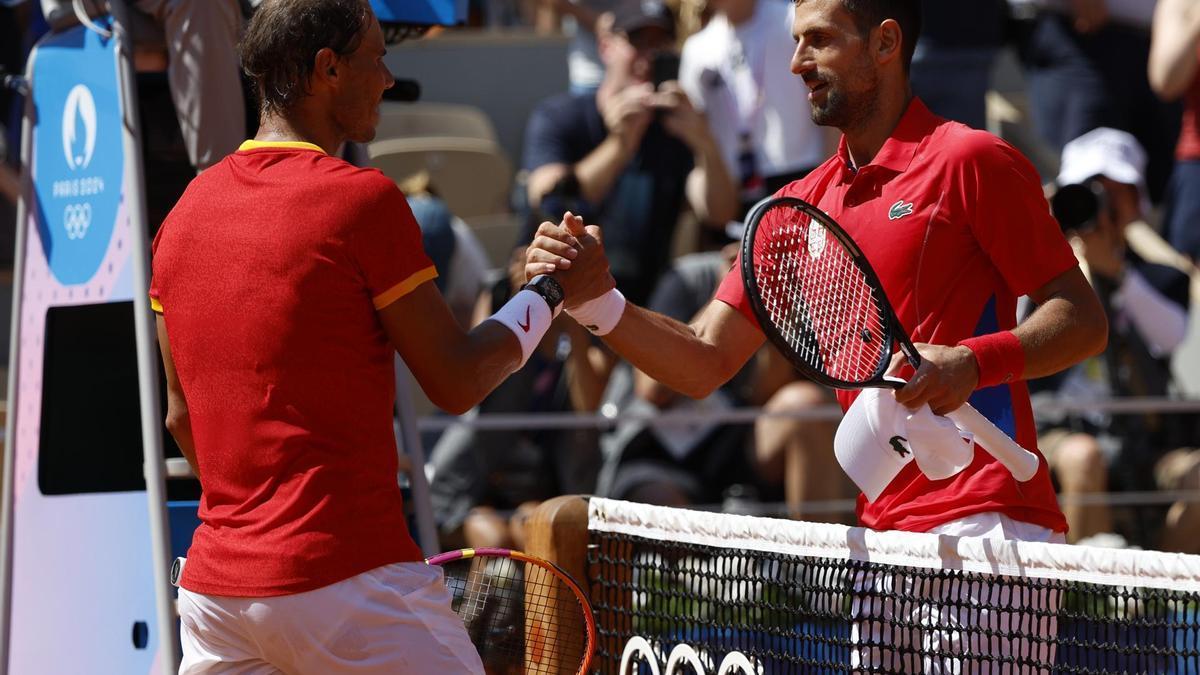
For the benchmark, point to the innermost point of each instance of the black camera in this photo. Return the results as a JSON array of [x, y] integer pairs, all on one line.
[[664, 67], [1076, 206]]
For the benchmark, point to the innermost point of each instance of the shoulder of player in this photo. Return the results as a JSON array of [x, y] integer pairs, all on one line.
[[358, 187], [364, 178], [963, 143], [963, 151]]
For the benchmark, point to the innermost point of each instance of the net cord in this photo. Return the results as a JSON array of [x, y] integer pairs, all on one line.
[[1111, 567]]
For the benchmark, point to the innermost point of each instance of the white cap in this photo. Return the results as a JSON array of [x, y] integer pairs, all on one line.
[[1111, 153], [878, 437]]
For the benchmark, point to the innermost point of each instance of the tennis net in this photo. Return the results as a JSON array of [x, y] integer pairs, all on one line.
[[679, 591]]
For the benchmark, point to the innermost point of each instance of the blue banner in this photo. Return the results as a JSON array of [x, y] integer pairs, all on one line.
[[79, 162], [422, 12]]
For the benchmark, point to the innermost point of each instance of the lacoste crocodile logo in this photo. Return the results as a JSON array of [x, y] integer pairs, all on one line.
[[899, 210], [898, 445]]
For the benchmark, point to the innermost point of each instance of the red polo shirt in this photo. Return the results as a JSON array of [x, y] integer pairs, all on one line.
[[954, 223], [269, 273]]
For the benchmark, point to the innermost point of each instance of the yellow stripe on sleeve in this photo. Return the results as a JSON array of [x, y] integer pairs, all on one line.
[[156, 305], [404, 287]]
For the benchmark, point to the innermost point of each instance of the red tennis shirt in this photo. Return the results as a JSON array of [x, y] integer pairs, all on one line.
[[954, 223], [268, 274]]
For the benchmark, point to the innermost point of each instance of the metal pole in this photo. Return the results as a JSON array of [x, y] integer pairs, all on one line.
[[408, 440], [8, 472], [153, 461]]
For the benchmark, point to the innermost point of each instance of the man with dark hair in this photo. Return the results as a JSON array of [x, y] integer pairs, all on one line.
[[954, 222], [285, 279]]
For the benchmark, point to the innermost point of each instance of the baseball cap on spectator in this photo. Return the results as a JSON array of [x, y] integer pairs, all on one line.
[[878, 437], [1111, 153], [633, 15]]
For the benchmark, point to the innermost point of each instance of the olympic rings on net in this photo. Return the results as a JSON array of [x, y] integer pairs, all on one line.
[[76, 219]]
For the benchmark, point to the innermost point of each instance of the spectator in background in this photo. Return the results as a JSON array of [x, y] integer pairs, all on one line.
[[734, 71], [456, 252], [704, 462], [1099, 198], [629, 154], [952, 66], [584, 67], [1085, 67], [1172, 72], [202, 67]]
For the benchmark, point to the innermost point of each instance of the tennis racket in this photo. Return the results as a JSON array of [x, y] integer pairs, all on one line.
[[819, 301], [524, 614]]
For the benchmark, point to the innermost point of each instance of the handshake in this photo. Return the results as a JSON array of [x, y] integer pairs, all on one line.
[[573, 254]]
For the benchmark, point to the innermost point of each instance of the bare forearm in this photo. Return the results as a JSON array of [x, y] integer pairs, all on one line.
[[587, 373], [711, 190], [471, 367], [1059, 334], [598, 172], [652, 390], [689, 359], [1173, 62]]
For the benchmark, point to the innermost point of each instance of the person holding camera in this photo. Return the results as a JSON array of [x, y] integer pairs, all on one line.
[[1099, 202], [733, 71], [632, 153]]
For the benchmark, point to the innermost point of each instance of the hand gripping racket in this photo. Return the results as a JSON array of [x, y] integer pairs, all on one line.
[[524, 614], [818, 300]]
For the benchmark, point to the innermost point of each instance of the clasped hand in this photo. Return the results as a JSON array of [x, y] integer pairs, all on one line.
[[574, 254]]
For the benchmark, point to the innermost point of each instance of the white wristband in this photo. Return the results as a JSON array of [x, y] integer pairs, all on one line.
[[528, 316], [600, 315]]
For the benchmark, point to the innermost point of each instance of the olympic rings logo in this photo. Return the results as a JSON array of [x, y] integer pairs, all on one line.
[[639, 650], [76, 219]]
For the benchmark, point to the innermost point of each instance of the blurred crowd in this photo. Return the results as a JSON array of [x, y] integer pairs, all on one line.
[[678, 118]]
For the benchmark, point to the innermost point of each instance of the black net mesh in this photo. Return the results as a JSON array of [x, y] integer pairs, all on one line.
[[782, 613]]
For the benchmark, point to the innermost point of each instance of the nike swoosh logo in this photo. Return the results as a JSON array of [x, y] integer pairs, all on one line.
[[524, 326]]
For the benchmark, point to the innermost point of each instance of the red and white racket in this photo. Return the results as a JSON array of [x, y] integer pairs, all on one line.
[[819, 301]]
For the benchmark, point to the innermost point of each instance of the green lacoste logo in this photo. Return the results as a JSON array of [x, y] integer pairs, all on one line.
[[899, 210]]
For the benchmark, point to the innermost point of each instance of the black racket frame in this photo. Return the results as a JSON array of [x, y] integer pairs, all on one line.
[[893, 331]]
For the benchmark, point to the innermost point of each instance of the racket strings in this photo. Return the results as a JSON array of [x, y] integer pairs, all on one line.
[[817, 297], [520, 616]]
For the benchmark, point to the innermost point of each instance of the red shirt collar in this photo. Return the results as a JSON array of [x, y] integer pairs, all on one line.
[[898, 150]]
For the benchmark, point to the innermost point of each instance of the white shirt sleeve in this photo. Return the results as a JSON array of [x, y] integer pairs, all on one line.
[[1161, 322]]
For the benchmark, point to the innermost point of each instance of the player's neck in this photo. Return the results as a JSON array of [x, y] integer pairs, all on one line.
[[295, 125], [865, 140]]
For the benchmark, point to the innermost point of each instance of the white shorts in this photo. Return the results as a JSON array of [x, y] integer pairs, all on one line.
[[916, 623], [389, 620]]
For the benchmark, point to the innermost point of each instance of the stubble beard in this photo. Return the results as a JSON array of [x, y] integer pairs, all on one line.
[[844, 109]]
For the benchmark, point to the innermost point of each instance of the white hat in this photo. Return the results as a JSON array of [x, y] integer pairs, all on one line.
[[878, 437], [1111, 153]]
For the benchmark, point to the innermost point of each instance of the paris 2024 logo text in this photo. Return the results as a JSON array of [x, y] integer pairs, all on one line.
[[79, 159]]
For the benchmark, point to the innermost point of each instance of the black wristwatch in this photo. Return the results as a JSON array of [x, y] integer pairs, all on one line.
[[547, 287]]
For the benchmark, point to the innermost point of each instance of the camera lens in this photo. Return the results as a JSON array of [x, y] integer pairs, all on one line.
[[1075, 207]]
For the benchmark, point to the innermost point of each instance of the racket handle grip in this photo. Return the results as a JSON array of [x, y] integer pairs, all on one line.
[[1021, 463]]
